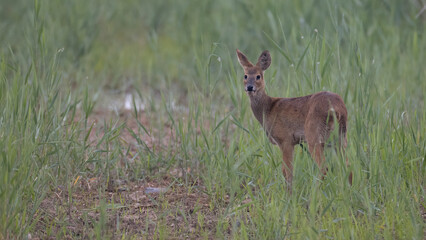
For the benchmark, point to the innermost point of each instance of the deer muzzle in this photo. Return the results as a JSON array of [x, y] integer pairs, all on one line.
[[250, 88]]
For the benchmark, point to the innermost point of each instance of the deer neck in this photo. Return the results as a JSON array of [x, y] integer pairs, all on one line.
[[260, 105]]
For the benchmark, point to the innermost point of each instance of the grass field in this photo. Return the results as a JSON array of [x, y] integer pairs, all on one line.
[[129, 120]]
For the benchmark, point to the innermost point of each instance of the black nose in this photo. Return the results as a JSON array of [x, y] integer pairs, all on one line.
[[249, 88]]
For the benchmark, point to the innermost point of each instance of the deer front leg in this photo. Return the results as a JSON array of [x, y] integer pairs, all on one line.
[[287, 168], [272, 140]]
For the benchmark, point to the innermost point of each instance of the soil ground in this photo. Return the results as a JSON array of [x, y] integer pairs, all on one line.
[[142, 209]]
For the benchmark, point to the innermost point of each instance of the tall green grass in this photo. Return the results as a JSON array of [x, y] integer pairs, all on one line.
[[63, 61]]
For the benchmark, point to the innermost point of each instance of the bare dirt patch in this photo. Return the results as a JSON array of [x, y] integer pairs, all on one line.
[[142, 210]]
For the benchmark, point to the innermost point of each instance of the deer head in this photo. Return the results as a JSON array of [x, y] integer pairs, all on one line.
[[253, 74]]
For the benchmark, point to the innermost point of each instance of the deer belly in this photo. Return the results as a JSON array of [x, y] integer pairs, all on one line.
[[277, 137]]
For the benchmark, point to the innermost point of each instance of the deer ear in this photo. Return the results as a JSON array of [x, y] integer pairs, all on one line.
[[264, 60], [244, 62]]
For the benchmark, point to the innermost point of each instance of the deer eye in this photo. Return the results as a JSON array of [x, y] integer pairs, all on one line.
[[257, 77], [245, 76]]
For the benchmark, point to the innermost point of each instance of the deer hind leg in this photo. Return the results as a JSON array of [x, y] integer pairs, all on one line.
[[317, 151], [316, 135], [343, 142], [287, 167], [342, 150]]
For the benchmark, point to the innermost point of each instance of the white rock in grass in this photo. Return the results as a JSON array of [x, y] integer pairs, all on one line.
[[149, 190]]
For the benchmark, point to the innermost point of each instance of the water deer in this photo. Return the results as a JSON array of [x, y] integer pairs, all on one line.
[[291, 121]]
